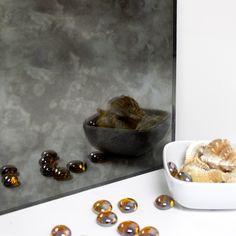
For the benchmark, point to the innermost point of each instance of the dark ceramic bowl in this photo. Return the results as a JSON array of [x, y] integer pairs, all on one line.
[[128, 142]]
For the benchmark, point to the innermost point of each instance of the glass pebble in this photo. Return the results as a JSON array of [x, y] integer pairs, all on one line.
[[128, 205], [48, 157], [62, 173], [106, 218], [47, 170], [128, 228], [97, 157], [172, 168], [77, 166], [102, 206], [8, 169], [149, 231], [184, 177], [61, 230], [164, 202], [10, 181], [92, 123]]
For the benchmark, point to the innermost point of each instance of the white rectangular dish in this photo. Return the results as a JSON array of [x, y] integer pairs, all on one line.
[[196, 195]]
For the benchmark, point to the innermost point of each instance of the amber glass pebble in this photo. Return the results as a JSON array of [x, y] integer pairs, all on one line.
[[47, 170], [106, 218], [61, 230], [128, 228], [102, 206], [149, 231], [172, 168], [184, 176], [77, 166], [97, 157], [164, 202], [128, 205], [48, 157], [62, 173], [8, 169], [10, 181]]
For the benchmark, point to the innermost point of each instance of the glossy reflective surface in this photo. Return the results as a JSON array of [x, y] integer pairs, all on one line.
[[97, 157], [61, 230], [77, 166], [128, 205], [62, 173], [48, 157], [10, 181], [184, 177], [149, 231], [128, 228], [102, 206], [107, 218], [164, 202], [8, 169], [172, 168]]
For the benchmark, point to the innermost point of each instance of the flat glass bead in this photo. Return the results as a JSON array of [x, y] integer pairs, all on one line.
[[149, 231], [106, 218], [76, 166], [97, 157], [48, 157], [8, 169], [128, 228], [128, 205], [62, 173], [49, 153], [164, 202], [172, 168], [10, 181], [102, 206], [61, 230], [47, 170], [184, 177]]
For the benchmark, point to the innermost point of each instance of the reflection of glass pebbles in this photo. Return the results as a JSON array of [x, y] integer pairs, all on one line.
[[10, 176]]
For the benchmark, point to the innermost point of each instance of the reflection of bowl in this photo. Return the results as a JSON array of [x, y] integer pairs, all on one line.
[[127, 142], [196, 195]]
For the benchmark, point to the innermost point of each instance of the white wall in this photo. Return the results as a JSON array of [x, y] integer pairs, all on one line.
[[206, 69]]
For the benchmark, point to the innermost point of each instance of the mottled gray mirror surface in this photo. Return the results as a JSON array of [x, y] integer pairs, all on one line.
[[59, 61]]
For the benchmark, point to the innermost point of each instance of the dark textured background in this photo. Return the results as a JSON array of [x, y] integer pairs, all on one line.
[[59, 61]]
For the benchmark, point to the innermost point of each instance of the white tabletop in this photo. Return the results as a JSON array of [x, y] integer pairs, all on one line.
[[75, 212]]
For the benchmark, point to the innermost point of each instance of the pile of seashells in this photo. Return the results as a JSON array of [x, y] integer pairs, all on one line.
[[211, 162]]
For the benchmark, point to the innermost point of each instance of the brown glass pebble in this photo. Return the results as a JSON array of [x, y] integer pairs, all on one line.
[[62, 173], [77, 166], [184, 177], [48, 157], [102, 206], [106, 218], [10, 181], [8, 169], [97, 157], [164, 202], [128, 205], [149, 231], [47, 170], [128, 228], [172, 168], [61, 230], [92, 123]]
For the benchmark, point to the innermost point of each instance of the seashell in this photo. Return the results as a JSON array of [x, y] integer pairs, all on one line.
[[219, 154], [200, 174], [126, 106], [195, 149]]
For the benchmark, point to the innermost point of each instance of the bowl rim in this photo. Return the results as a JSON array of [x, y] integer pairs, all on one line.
[[180, 182], [165, 116]]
